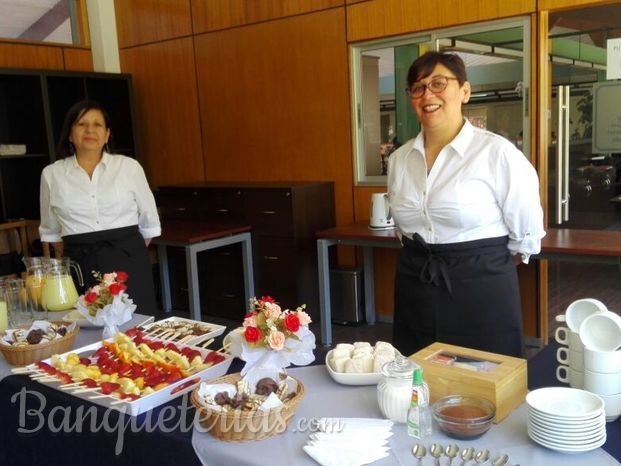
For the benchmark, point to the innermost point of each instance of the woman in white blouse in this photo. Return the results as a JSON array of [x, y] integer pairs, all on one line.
[[97, 208], [466, 204]]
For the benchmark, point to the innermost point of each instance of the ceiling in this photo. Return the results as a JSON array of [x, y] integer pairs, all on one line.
[[39, 20]]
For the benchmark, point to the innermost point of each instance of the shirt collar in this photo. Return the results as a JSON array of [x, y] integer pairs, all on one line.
[[459, 144], [73, 161]]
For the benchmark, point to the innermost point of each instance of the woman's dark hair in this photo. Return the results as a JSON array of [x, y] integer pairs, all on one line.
[[424, 65], [65, 147]]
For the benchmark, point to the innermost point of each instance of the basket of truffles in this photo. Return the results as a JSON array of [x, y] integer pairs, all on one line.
[[253, 408], [22, 346]]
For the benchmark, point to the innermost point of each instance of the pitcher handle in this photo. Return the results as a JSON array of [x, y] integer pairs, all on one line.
[[78, 272], [387, 207]]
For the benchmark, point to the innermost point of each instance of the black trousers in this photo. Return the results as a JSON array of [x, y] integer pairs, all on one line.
[[112, 250], [464, 294]]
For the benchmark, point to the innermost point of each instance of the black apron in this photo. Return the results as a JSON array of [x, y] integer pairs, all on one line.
[[464, 294], [113, 250]]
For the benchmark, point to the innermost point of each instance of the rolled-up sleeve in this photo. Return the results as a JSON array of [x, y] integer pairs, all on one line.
[[50, 228], [148, 218], [518, 192]]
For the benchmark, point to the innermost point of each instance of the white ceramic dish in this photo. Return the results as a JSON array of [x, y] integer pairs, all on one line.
[[567, 448], [561, 426], [565, 403], [214, 330], [347, 378], [565, 421], [581, 435]]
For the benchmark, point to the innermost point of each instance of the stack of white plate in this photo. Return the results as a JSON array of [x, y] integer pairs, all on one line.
[[566, 419]]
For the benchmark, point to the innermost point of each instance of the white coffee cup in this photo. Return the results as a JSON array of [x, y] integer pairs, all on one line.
[[612, 406], [574, 378], [602, 384], [606, 362], [572, 339], [581, 309], [601, 332], [573, 359]]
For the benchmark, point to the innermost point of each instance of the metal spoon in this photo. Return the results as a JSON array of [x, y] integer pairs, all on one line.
[[466, 455], [501, 460], [437, 451], [419, 451], [482, 456], [451, 451]]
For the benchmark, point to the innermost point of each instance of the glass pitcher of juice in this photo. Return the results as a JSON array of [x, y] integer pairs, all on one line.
[[59, 292], [35, 278]]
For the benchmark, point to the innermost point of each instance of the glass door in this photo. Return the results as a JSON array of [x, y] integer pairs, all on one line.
[[584, 166]]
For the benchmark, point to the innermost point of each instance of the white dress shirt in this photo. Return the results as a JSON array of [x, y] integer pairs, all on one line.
[[118, 195], [480, 186]]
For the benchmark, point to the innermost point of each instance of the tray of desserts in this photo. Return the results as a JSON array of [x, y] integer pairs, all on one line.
[[131, 372], [185, 331]]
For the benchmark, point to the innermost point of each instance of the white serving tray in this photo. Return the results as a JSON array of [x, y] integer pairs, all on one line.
[[216, 330], [147, 402]]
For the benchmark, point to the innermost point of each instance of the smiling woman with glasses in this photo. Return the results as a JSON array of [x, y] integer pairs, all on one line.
[[466, 205]]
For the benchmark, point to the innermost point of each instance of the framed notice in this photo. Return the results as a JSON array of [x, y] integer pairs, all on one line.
[[606, 117]]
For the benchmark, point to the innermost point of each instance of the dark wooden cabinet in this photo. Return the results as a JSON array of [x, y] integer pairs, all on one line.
[[33, 104], [284, 217]]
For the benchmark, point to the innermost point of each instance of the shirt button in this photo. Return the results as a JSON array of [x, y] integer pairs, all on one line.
[[428, 228], [97, 222]]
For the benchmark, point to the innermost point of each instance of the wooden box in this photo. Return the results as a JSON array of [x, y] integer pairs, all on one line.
[[454, 370]]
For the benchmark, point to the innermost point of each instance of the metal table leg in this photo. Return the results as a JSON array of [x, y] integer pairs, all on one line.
[[323, 266], [193, 290], [164, 277], [369, 283], [246, 243]]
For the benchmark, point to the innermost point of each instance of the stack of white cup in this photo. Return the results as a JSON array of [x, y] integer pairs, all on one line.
[[601, 336], [571, 356]]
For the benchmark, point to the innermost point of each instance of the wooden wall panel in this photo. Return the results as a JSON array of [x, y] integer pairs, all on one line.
[[560, 4], [274, 101], [167, 103], [211, 15], [145, 21], [78, 59], [380, 18], [14, 55]]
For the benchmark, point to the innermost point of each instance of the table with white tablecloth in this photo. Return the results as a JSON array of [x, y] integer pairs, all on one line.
[[325, 398]]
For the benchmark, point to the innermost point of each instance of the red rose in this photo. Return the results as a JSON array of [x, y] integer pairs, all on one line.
[[90, 297], [292, 323], [266, 299], [249, 314], [121, 276], [116, 288], [252, 334]]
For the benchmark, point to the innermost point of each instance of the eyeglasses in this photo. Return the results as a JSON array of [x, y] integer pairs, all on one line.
[[436, 85]]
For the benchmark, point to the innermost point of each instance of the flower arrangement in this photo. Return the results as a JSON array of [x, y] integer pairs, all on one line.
[[107, 304], [269, 326], [110, 285], [272, 338]]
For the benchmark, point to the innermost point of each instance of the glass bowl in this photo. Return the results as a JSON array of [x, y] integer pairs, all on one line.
[[464, 417]]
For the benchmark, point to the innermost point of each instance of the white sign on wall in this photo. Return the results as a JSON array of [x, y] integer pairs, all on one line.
[[613, 59], [606, 117]]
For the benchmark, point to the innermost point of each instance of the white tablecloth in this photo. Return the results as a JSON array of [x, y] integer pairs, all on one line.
[[325, 398], [86, 336]]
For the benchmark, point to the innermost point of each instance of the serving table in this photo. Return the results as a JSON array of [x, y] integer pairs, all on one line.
[[166, 434], [559, 243], [195, 237]]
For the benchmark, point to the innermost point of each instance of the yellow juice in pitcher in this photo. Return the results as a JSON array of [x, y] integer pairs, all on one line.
[[59, 293], [34, 286]]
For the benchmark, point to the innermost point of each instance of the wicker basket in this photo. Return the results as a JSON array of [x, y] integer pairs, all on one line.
[[242, 426], [24, 355]]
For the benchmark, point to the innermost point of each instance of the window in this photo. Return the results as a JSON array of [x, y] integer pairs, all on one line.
[[42, 20], [499, 75]]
